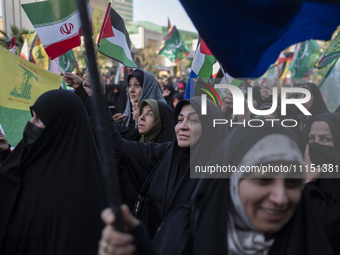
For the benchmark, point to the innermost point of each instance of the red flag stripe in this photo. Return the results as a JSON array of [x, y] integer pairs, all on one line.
[[204, 48], [59, 48]]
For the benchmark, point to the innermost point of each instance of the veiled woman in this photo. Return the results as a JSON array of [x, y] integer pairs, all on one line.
[[51, 190], [323, 151]]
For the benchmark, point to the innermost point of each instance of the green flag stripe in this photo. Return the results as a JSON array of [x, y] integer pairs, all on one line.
[[109, 49], [13, 122], [50, 12], [206, 69]]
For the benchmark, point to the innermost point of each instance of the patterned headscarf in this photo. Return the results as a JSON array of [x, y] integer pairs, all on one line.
[[150, 90]]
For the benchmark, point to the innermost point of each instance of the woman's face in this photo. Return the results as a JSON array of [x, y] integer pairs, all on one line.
[[269, 202], [135, 90], [146, 120], [321, 133], [188, 129], [36, 121]]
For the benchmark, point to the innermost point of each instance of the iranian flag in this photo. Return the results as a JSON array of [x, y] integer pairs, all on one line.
[[114, 40], [57, 23]]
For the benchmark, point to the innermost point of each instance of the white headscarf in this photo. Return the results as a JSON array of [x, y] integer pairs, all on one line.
[[243, 237]]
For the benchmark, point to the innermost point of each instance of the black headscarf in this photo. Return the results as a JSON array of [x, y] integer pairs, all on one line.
[[138, 74], [116, 99], [322, 154], [52, 195], [169, 99], [171, 185], [325, 191], [166, 117], [168, 123], [318, 106]]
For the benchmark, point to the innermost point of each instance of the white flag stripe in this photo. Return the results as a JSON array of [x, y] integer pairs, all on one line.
[[198, 60], [120, 39], [51, 34]]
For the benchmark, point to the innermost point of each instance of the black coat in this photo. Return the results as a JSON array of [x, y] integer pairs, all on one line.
[[324, 193], [135, 160], [170, 186], [52, 195]]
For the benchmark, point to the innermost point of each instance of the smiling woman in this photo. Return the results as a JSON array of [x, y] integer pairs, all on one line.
[[257, 213]]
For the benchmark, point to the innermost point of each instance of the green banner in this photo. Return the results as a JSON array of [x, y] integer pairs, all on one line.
[[173, 46], [332, 53], [305, 59], [67, 61]]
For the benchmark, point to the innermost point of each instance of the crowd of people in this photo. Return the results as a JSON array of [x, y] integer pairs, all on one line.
[[53, 194]]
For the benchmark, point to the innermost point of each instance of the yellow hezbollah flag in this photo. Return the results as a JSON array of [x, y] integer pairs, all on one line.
[[38, 52], [21, 83]]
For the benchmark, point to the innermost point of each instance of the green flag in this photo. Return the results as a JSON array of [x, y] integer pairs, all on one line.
[[67, 61], [305, 59], [329, 86], [332, 53], [173, 46]]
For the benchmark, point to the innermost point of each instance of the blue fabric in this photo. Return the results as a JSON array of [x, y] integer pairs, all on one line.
[[247, 36], [190, 88]]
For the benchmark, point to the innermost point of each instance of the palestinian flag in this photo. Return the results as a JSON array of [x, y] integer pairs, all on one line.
[[57, 23], [114, 41], [202, 67], [203, 61]]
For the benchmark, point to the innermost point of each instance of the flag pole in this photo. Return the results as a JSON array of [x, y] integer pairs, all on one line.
[[61, 70], [77, 66], [224, 73], [102, 127], [103, 26], [32, 45]]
